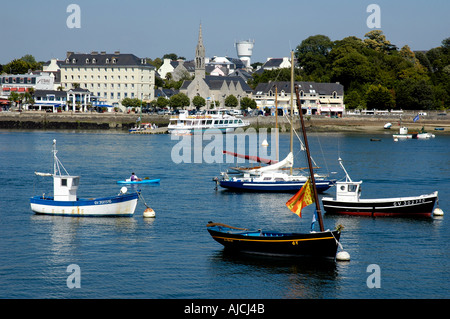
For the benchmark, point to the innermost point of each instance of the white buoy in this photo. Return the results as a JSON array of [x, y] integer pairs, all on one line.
[[264, 143], [343, 256], [149, 213], [123, 190], [395, 139], [438, 212]]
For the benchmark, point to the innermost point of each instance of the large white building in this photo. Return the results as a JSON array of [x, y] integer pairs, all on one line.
[[315, 98], [110, 77]]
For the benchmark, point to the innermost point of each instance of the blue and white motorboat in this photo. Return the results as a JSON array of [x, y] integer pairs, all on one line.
[[65, 201]]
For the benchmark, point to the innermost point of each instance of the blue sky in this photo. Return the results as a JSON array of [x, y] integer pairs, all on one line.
[[153, 28]]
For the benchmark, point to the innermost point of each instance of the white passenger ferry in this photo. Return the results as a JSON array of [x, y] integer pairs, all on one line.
[[212, 119]]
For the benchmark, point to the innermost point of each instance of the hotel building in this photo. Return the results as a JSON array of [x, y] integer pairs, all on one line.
[[110, 77]]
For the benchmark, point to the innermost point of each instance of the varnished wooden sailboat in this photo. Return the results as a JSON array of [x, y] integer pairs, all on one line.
[[316, 244]]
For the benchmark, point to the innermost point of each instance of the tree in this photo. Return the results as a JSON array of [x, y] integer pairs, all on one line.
[[247, 102], [16, 66], [198, 101], [162, 102], [377, 41], [414, 95], [379, 97], [231, 101], [128, 102], [179, 100], [312, 54], [351, 70], [14, 97]]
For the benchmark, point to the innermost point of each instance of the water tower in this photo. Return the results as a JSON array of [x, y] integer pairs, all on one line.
[[245, 50]]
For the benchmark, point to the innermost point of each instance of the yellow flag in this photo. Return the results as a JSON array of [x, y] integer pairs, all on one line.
[[302, 199]]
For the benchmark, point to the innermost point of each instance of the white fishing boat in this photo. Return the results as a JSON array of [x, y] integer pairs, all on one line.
[[212, 119], [66, 202], [348, 202]]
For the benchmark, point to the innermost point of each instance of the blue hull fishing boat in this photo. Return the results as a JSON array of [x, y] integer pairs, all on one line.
[[65, 200]]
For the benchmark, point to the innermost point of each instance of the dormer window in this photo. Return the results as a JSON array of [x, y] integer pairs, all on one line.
[[74, 61], [94, 60], [67, 60], [107, 61], [114, 61], [87, 61], [334, 95]]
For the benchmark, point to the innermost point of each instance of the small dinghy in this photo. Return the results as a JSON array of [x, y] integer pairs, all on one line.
[[144, 181]]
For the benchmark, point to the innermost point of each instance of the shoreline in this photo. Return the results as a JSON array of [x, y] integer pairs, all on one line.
[[32, 120]]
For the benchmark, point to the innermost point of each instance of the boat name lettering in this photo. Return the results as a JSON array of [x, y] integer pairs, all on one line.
[[409, 202], [102, 202]]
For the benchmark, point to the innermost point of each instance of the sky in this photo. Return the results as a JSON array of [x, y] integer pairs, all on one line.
[[149, 28]]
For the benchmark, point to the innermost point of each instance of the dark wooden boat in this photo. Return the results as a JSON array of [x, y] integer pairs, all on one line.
[[315, 244]]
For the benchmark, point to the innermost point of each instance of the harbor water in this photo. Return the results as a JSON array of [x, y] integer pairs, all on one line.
[[172, 256]]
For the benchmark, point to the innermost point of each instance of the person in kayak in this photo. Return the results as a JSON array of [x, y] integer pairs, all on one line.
[[134, 178]]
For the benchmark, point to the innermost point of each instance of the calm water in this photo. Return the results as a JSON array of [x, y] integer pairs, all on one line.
[[173, 256]]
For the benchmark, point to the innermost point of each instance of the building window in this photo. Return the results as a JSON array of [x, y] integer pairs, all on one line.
[[107, 61], [87, 61], [94, 60]]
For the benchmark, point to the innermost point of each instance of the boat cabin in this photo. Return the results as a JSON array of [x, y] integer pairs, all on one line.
[[348, 191], [65, 187]]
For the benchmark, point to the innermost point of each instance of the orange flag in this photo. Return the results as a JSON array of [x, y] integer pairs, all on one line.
[[302, 199]]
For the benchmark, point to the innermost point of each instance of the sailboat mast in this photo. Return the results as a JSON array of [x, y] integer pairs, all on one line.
[[276, 121], [311, 171], [292, 104]]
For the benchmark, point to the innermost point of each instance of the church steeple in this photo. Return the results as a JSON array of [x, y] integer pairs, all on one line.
[[200, 56]]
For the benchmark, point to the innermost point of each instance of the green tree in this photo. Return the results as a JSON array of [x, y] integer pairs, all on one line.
[[312, 55], [179, 100], [14, 97], [198, 101], [377, 41], [162, 102], [379, 97], [414, 95], [128, 102], [247, 102], [231, 101], [16, 66]]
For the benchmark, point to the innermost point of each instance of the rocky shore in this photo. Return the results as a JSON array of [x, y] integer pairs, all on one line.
[[32, 120]]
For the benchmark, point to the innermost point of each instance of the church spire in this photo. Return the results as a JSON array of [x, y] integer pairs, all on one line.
[[200, 56]]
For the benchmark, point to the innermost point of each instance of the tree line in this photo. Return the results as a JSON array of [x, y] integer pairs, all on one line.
[[376, 74]]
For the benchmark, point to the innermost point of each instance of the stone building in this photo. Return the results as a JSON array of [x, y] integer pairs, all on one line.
[[212, 88]]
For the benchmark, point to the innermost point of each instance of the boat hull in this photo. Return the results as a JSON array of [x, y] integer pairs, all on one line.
[[420, 206], [144, 181], [121, 205], [320, 244], [272, 186]]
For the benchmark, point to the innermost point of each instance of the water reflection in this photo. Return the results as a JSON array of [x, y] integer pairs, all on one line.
[[301, 277]]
